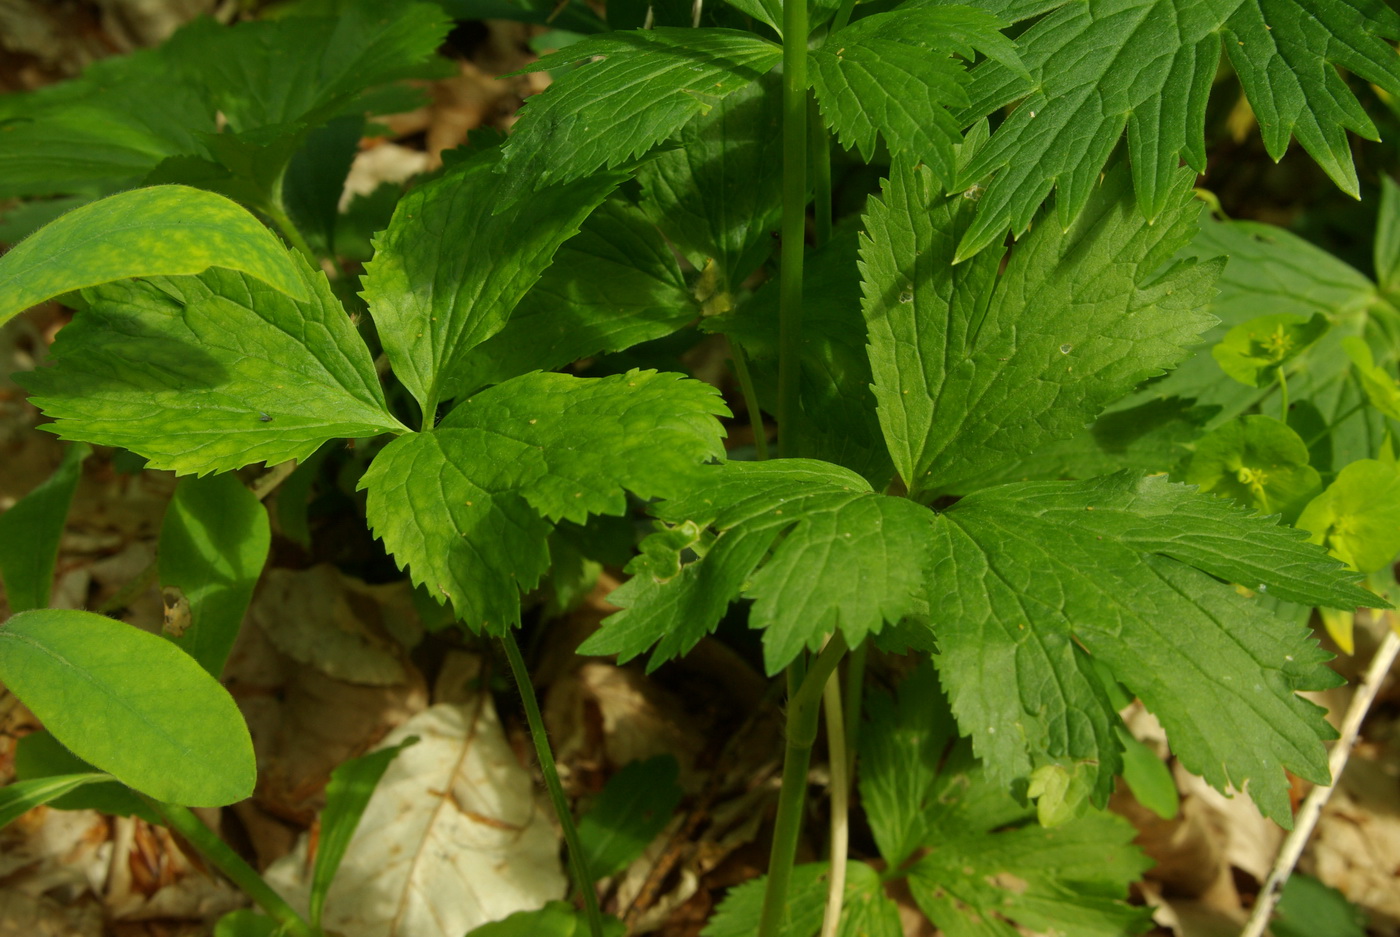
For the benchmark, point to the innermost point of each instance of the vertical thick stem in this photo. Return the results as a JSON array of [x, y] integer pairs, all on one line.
[[218, 854], [804, 710], [582, 877], [794, 227], [840, 804]]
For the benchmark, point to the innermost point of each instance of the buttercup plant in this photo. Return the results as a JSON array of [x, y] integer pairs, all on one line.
[[935, 492]]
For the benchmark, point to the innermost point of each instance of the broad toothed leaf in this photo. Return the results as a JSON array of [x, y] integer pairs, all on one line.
[[1031, 577], [894, 74], [432, 303], [646, 86], [468, 506], [611, 286], [973, 369], [211, 373], [849, 559], [1146, 67]]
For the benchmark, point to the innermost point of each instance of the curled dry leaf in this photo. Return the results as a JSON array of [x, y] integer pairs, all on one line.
[[452, 838]]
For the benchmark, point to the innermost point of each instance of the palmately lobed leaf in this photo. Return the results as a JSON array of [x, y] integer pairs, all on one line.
[[1146, 67], [973, 369], [467, 507], [211, 373], [643, 86]]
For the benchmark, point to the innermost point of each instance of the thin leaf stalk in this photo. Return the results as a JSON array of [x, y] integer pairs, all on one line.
[[794, 223], [741, 371], [582, 877], [218, 854], [855, 698], [840, 803], [805, 693]]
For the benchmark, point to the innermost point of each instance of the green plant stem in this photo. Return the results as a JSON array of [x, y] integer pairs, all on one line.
[[291, 233], [741, 371], [1283, 394], [582, 877], [843, 15], [855, 698], [218, 853], [840, 803], [140, 583], [805, 692], [794, 226]]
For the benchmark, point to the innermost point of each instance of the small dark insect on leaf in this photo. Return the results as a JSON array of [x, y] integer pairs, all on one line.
[[264, 418]]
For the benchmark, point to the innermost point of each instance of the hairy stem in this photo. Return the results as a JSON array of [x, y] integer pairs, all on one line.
[[794, 226], [582, 877], [218, 853], [804, 698], [1311, 810]]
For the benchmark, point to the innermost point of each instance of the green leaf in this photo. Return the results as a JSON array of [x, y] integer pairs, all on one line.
[[611, 286], [303, 70], [1386, 251], [866, 911], [848, 558], [894, 74], [430, 305], [901, 747], [212, 373], [30, 531], [647, 85], [160, 231], [1254, 351], [556, 919], [1258, 461], [246, 923], [1358, 517], [1026, 591], [1308, 908], [973, 369], [718, 196], [987, 862], [1146, 66], [101, 131], [19, 797], [633, 809], [213, 544], [467, 507], [1380, 385], [1148, 777], [347, 795], [39, 755], [131, 704]]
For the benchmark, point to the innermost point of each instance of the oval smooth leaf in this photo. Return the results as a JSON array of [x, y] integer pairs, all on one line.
[[164, 230], [130, 703]]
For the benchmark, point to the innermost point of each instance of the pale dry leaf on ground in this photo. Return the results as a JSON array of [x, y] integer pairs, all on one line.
[[24, 915], [453, 837], [1356, 848], [151, 878]]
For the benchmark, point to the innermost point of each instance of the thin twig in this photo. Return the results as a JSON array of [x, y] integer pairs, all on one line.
[[1311, 809]]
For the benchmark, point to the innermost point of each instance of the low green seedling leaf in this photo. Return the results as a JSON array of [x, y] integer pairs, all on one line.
[[245, 923], [1258, 461], [40, 755], [213, 545], [634, 807], [30, 531], [159, 231], [1358, 517], [213, 372], [19, 797], [1254, 351], [866, 910], [1379, 384], [131, 704], [348, 793], [1148, 777], [556, 919]]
